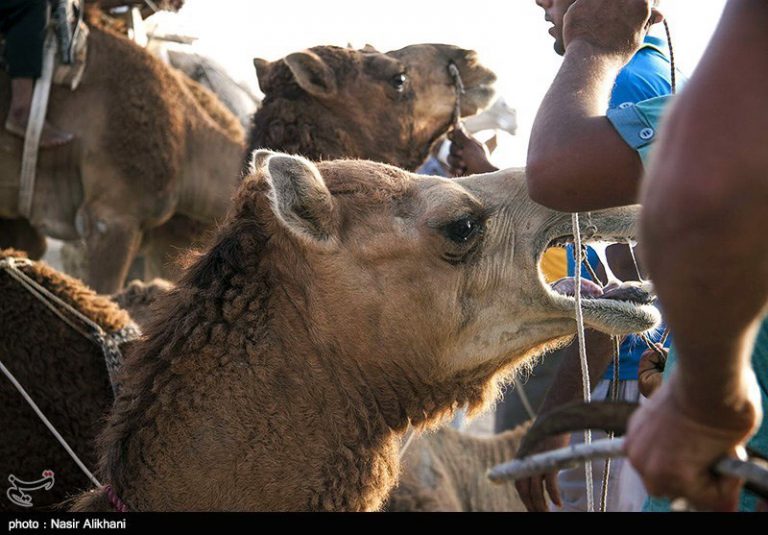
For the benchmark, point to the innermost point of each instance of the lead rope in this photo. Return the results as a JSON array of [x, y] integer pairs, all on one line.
[[614, 396], [458, 85], [585, 383], [673, 78], [48, 424]]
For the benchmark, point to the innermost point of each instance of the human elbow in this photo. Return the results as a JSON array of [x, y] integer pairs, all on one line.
[[548, 184]]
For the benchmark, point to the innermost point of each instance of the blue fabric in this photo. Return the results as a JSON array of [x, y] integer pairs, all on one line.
[[647, 76], [637, 124], [759, 442]]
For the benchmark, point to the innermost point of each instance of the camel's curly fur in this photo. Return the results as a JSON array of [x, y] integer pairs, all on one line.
[[63, 372]]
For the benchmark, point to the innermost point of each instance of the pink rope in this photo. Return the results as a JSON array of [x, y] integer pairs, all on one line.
[[116, 502]]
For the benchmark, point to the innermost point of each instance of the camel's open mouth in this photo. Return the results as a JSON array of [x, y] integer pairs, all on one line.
[[616, 309]]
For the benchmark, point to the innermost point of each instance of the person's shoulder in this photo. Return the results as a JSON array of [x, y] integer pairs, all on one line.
[[647, 75]]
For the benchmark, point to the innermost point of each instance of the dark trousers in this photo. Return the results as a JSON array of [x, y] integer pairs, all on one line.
[[23, 23]]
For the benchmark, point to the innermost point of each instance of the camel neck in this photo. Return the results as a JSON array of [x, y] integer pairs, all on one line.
[[212, 171], [292, 127]]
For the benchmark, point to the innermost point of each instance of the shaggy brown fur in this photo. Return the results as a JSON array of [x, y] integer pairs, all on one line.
[[446, 471], [267, 381], [145, 149], [138, 299], [63, 372]]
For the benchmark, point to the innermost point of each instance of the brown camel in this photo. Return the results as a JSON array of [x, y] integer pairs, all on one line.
[[63, 371], [312, 107], [446, 470], [329, 103], [146, 150], [339, 303]]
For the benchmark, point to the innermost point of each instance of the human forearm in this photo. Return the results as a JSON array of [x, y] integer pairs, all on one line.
[[576, 159], [705, 212]]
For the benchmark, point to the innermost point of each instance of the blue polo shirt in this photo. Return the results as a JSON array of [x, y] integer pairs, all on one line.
[[648, 75]]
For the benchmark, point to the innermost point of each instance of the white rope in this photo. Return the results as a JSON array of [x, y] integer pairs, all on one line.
[[524, 398], [407, 439], [585, 383], [48, 424], [11, 266]]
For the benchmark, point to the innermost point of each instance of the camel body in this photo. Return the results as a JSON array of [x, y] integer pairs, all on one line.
[[268, 382]]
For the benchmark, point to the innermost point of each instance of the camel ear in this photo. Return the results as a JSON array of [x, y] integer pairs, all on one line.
[[263, 69], [300, 199], [312, 74], [259, 159], [368, 48]]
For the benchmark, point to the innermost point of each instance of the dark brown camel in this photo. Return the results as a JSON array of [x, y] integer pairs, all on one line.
[[337, 304], [64, 372], [328, 103]]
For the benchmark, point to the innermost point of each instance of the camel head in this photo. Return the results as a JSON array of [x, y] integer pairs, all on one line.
[[330, 102], [339, 303], [442, 272]]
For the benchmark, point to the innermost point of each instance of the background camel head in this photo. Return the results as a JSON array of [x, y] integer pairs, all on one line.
[[442, 272], [330, 102]]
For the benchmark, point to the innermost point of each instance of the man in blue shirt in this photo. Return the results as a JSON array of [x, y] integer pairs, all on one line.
[[704, 198]]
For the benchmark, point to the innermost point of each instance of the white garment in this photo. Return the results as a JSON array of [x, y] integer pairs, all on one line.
[[625, 489]]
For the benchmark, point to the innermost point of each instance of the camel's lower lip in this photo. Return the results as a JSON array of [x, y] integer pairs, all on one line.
[[631, 292], [615, 310]]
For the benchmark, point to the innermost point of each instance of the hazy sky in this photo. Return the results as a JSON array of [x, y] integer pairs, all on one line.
[[510, 35]]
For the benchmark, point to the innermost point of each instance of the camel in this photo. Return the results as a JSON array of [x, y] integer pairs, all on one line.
[[64, 372], [143, 152], [445, 471], [238, 98], [339, 303], [168, 157], [311, 108], [138, 298]]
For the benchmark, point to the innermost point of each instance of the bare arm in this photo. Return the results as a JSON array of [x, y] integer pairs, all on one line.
[[706, 213], [576, 159]]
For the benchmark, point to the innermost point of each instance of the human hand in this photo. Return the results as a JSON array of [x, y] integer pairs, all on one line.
[[531, 489], [673, 446], [467, 155], [617, 27], [650, 369]]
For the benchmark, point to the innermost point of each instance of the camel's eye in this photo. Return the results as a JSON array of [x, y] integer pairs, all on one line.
[[398, 82], [462, 230]]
